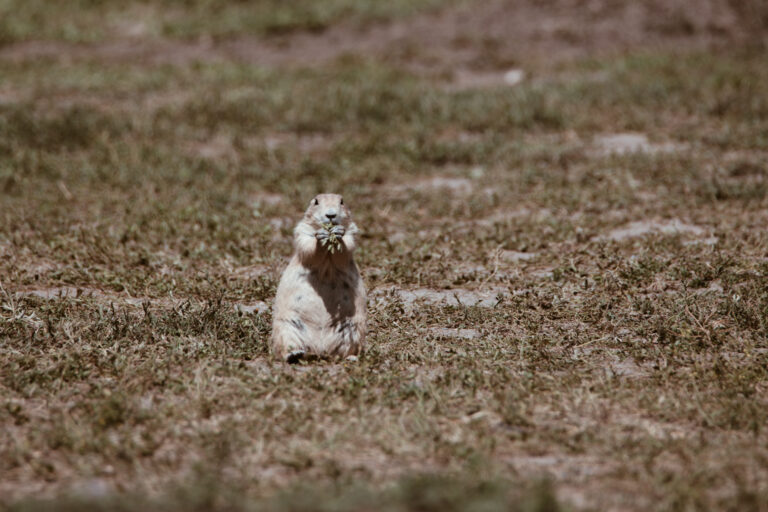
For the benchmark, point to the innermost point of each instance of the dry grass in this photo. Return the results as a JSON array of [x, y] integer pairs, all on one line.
[[553, 319]]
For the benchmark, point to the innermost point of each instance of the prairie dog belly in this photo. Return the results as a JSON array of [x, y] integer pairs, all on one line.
[[319, 316], [322, 307]]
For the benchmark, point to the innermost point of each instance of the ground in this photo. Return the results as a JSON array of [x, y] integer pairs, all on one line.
[[565, 240]]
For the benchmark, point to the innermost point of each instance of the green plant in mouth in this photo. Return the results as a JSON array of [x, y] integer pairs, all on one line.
[[333, 242]]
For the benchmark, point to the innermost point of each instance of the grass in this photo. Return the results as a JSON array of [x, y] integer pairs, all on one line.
[[95, 21], [422, 493], [144, 203]]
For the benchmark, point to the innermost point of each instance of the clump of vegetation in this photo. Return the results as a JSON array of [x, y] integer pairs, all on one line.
[[332, 242]]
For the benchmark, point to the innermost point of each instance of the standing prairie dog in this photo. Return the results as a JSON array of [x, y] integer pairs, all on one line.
[[320, 308]]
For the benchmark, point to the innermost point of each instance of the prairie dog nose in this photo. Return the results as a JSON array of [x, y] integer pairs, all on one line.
[[331, 214]]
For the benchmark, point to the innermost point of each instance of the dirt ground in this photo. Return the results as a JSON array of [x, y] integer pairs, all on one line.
[[564, 207]]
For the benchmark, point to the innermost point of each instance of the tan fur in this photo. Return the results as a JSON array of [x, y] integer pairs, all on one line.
[[320, 306]]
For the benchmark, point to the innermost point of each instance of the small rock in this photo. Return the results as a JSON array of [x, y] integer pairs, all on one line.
[[94, 488], [461, 185], [466, 334], [515, 256], [477, 172], [249, 309], [624, 143], [712, 240], [640, 228], [456, 297], [514, 76], [437, 183], [396, 238]]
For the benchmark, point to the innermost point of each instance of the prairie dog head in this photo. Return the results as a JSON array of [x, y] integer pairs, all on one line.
[[327, 209]]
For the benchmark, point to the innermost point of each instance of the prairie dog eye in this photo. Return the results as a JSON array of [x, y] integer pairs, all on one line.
[[342, 201], [315, 202]]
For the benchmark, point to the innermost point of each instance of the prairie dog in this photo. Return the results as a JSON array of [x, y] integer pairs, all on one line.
[[320, 306]]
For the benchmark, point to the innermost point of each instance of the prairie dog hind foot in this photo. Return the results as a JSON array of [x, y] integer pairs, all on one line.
[[298, 356]]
